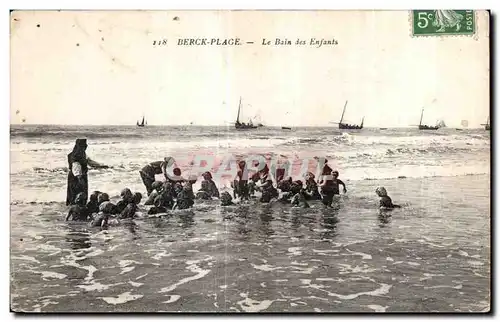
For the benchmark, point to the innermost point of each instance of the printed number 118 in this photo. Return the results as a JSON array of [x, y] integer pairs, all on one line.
[[162, 42]]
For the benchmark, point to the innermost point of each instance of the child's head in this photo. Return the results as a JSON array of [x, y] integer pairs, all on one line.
[[309, 176], [207, 175], [381, 192], [106, 207], [80, 199], [335, 174], [94, 196], [157, 185], [225, 196], [103, 197], [126, 194], [137, 198], [177, 172]]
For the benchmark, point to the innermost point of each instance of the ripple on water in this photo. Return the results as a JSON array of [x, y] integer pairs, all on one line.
[[122, 298], [251, 305]]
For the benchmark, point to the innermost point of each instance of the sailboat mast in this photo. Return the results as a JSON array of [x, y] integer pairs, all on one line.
[[239, 108], [421, 117], [362, 121], [342, 117]]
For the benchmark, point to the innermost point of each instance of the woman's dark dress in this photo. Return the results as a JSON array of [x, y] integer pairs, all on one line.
[[74, 186]]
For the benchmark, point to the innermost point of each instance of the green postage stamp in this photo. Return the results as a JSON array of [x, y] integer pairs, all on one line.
[[443, 22]]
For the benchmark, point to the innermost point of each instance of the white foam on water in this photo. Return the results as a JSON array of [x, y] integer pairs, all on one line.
[[330, 279], [377, 308], [39, 307], [279, 281], [200, 273], [26, 258], [96, 286], [250, 305], [46, 274], [112, 248], [456, 287], [33, 235], [383, 289], [295, 251], [263, 284], [47, 248], [122, 298], [193, 251], [323, 252], [303, 270], [413, 264], [477, 274], [127, 262], [348, 269], [317, 310], [71, 259], [142, 276], [172, 299], [298, 264], [265, 267], [127, 269], [223, 287], [135, 284], [431, 275], [390, 259], [363, 255], [475, 263]]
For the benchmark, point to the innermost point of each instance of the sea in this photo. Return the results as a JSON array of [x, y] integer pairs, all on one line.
[[432, 255]]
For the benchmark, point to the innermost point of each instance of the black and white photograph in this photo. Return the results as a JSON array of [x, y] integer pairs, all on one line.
[[250, 161]]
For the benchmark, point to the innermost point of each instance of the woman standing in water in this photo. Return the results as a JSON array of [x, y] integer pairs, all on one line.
[[78, 164]]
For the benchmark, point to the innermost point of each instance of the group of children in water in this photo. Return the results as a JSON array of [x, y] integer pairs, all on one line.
[[178, 194]]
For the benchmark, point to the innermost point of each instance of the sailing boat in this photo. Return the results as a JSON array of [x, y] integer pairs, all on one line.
[[345, 126], [143, 123], [242, 125], [426, 127], [487, 125]]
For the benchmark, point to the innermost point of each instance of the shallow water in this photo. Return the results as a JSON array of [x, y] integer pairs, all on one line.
[[433, 255]]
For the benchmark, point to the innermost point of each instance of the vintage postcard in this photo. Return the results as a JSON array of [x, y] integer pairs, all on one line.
[[250, 161]]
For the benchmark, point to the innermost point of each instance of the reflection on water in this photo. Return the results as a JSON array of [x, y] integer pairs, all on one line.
[[329, 223], [384, 218], [265, 217], [78, 238]]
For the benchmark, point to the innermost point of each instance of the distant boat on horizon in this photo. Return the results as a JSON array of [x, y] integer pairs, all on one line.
[[242, 125], [345, 126], [487, 125], [426, 127], [286, 128], [143, 122]]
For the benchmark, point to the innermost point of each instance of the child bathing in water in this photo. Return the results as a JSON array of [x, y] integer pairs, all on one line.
[[132, 207], [299, 199], [93, 204], [78, 211], [226, 199], [208, 188], [385, 200], [102, 218]]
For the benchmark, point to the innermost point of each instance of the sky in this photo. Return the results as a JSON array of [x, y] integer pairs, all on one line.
[[100, 67]]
